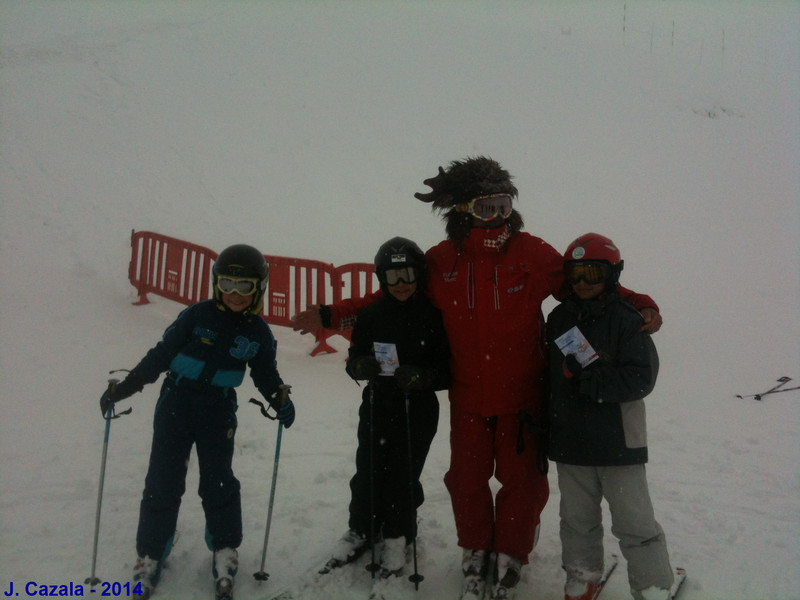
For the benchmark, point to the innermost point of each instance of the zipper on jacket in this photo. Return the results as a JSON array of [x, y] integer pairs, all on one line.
[[496, 289], [497, 284], [471, 286]]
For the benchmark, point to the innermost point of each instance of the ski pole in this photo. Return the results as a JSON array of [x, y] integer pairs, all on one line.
[[283, 395], [416, 578], [781, 382], [373, 567], [93, 580]]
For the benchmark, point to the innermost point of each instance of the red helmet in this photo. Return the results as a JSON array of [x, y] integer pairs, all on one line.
[[593, 247]]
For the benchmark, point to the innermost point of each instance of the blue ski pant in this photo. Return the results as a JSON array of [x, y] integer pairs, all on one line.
[[189, 415]]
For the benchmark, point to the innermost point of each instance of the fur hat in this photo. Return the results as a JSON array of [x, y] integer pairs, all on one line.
[[461, 182]]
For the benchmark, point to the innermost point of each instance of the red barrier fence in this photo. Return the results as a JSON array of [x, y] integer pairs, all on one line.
[[181, 271]]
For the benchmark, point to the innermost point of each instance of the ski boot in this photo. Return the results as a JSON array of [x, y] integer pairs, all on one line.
[[349, 548], [652, 593], [146, 573], [391, 583], [475, 567], [506, 577], [580, 590], [226, 564], [582, 584]]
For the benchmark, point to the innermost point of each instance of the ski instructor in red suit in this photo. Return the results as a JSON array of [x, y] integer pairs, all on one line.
[[489, 279]]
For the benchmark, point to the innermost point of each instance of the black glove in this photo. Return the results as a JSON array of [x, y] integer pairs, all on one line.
[[286, 414], [363, 367], [411, 378], [283, 406], [572, 368], [119, 390], [106, 402], [438, 184]]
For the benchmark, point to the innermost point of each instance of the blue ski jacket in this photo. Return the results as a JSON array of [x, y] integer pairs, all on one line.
[[211, 347]]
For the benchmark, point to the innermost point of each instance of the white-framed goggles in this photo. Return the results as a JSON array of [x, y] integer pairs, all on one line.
[[395, 276], [244, 286], [488, 208]]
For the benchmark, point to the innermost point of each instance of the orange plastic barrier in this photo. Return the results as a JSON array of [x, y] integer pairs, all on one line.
[[181, 271]]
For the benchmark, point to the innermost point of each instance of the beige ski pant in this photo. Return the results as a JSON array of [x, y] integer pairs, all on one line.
[[641, 539]]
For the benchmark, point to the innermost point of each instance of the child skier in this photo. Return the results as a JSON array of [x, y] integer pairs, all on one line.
[[400, 347], [601, 367], [205, 353]]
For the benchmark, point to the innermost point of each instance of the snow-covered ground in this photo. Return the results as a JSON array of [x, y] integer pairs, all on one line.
[[304, 128]]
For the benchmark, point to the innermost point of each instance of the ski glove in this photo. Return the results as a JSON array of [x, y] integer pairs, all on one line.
[[286, 414], [411, 378], [106, 403], [283, 405], [363, 367], [119, 390]]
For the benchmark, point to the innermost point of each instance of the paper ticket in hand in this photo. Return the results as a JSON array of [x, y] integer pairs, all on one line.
[[386, 355], [573, 342]]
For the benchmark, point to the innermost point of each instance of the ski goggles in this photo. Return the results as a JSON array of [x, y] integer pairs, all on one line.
[[243, 286], [395, 276], [488, 208], [591, 272]]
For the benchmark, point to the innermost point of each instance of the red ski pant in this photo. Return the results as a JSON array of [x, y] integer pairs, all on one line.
[[482, 447]]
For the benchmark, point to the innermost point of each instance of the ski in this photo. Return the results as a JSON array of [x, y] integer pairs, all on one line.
[[609, 569], [781, 382], [318, 578], [680, 577], [337, 563]]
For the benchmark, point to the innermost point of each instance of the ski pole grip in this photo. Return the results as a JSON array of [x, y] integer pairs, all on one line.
[[283, 393]]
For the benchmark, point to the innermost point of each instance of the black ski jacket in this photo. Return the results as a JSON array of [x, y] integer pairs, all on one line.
[[597, 418], [416, 328]]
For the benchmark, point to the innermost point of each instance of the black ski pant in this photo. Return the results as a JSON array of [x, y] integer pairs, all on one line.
[[188, 414], [395, 514]]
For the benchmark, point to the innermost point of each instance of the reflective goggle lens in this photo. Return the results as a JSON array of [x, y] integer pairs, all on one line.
[[394, 276], [243, 287], [591, 272], [487, 208]]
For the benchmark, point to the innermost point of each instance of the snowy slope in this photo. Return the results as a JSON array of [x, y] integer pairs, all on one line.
[[304, 128]]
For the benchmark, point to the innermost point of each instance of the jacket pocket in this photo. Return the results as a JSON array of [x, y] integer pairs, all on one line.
[[511, 289]]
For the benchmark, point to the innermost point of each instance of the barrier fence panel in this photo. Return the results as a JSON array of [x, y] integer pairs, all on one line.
[[181, 271], [352, 278], [169, 267], [294, 284]]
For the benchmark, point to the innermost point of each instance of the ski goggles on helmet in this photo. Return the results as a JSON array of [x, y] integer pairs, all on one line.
[[592, 272], [395, 276], [488, 208], [244, 286]]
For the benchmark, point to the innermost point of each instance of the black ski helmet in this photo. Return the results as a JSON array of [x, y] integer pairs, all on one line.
[[241, 260], [398, 253]]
